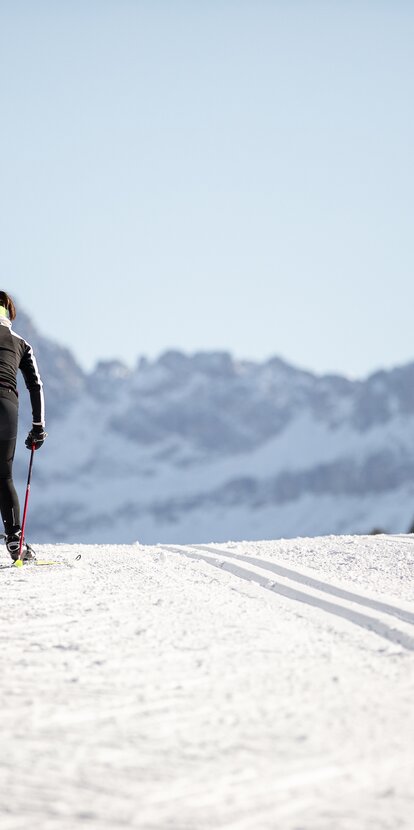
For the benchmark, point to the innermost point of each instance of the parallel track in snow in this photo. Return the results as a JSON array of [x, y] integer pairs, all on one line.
[[341, 603]]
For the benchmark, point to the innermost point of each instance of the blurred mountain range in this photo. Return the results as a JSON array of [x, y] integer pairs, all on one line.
[[193, 448]]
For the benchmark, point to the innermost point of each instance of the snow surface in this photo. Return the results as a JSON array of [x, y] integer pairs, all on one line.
[[250, 685]]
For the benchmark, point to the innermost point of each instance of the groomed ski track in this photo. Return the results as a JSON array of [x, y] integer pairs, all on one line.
[[243, 685]]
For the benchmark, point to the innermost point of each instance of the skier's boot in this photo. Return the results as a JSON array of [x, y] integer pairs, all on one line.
[[13, 546]]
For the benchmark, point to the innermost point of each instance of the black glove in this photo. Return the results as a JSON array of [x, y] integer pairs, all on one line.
[[35, 437]]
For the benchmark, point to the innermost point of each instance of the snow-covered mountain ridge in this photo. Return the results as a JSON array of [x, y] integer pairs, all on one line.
[[190, 447]]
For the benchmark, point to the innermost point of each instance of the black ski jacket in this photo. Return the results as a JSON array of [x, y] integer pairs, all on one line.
[[16, 354]]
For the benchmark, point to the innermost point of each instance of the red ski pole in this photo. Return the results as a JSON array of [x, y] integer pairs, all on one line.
[[19, 561]]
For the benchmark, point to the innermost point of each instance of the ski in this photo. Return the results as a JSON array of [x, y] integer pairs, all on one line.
[[31, 565], [36, 563]]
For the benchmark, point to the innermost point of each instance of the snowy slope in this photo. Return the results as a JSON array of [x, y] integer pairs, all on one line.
[[250, 686], [138, 461], [194, 446]]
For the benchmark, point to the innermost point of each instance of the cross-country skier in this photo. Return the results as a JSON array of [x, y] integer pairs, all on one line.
[[15, 354]]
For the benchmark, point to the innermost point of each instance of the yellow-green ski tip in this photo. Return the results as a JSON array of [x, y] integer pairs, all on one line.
[[18, 563]]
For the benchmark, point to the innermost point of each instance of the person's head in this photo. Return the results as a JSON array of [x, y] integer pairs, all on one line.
[[7, 303]]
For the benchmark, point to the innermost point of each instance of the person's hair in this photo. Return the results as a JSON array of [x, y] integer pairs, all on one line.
[[7, 303]]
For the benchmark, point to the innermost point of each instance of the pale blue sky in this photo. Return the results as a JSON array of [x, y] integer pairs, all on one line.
[[211, 175]]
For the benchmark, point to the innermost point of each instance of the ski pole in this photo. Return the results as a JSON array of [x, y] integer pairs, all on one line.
[[19, 561]]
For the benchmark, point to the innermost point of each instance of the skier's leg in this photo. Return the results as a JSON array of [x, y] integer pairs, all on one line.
[[9, 501]]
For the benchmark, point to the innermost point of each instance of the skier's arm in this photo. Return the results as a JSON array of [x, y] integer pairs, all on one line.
[[34, 384]]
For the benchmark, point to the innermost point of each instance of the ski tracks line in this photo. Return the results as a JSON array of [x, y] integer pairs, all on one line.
[[286, 585], [311, 582]]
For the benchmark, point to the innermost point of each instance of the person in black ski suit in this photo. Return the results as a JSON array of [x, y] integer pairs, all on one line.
[[15, 354]]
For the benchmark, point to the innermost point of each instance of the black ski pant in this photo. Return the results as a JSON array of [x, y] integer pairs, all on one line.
[[9, 501]]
